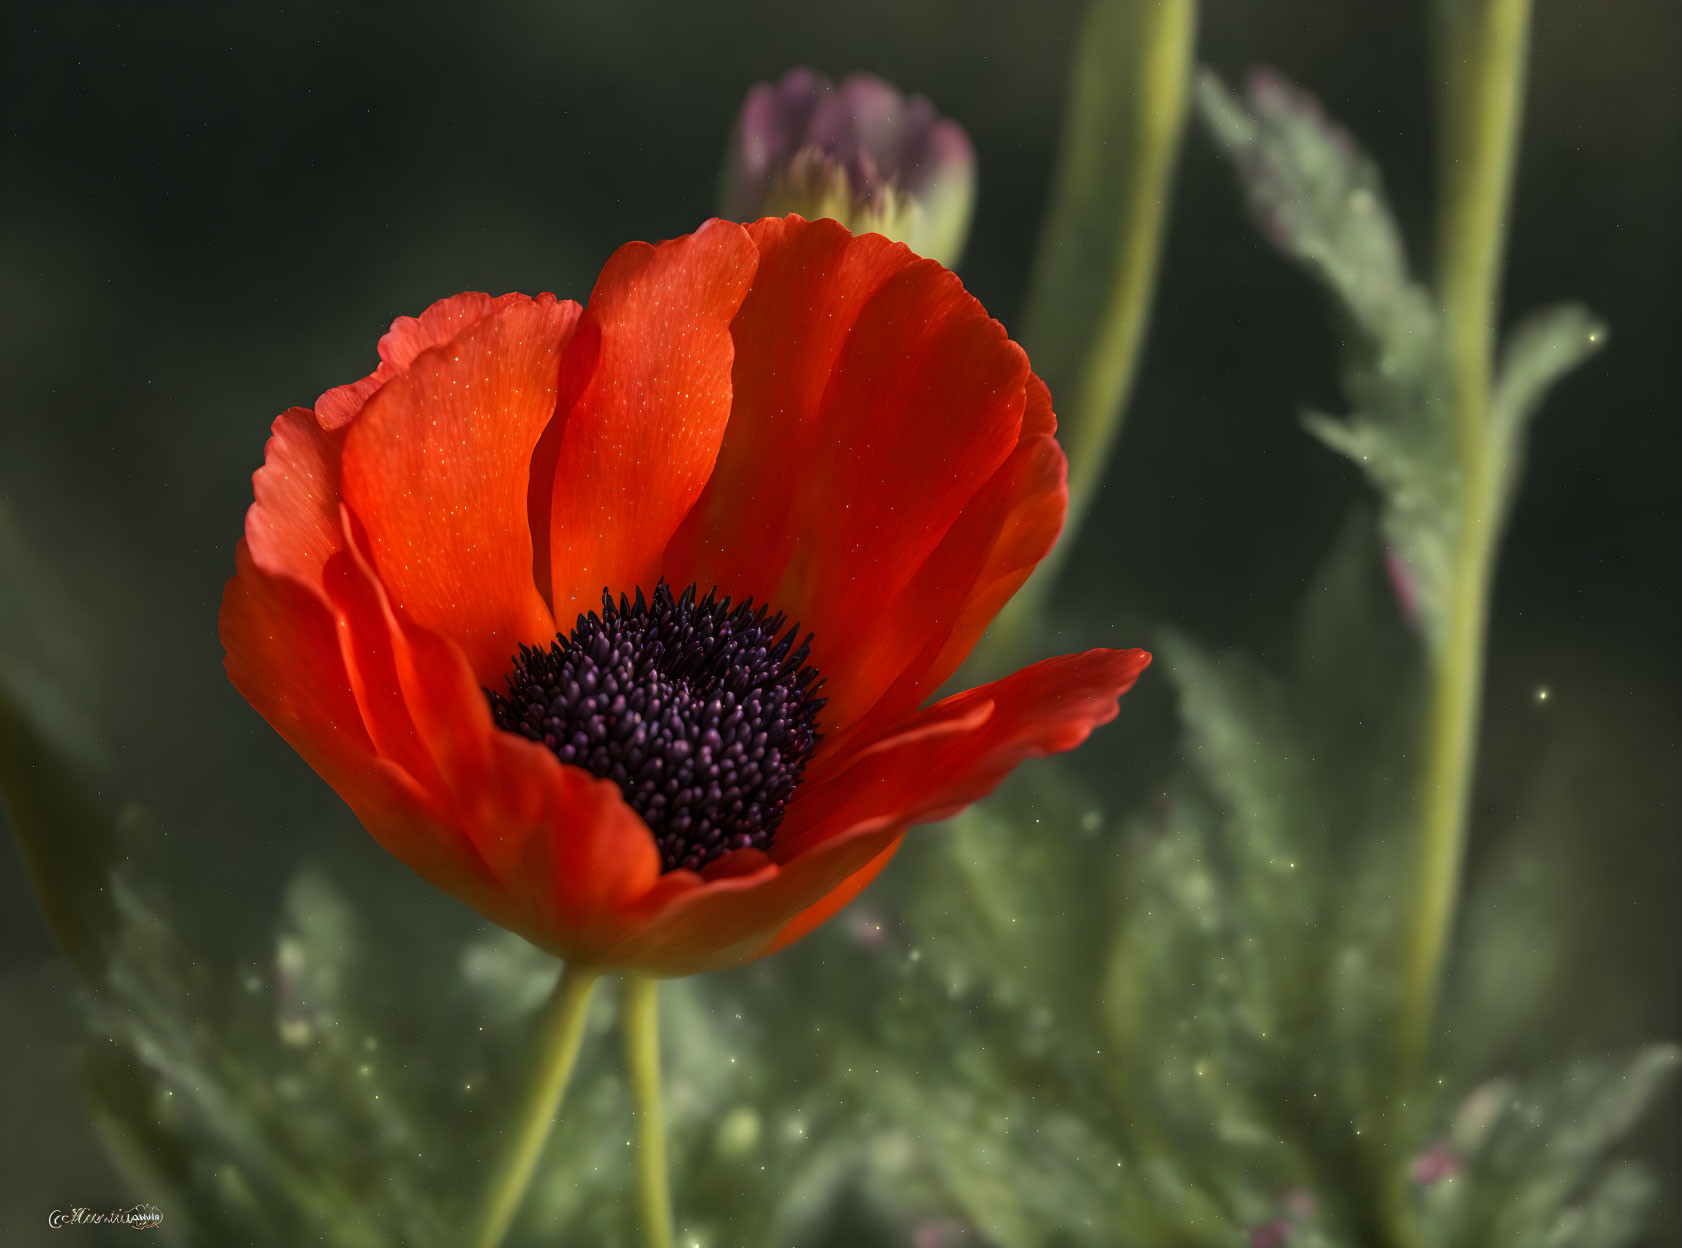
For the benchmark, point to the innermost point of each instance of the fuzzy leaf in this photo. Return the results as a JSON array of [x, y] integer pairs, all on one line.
[[1355, 683], [1513, 942], [1314, 195], [283, 1104], [1610, 1215], [1240, 735], [1605, 1100], [1317, 197], [1547, 345]]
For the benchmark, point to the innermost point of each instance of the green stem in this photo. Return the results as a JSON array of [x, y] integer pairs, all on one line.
[[561, 1031], [1481, 47], [1100, 250], [642, 1056]]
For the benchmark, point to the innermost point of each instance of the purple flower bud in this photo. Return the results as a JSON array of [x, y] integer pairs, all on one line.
[[859, 152]]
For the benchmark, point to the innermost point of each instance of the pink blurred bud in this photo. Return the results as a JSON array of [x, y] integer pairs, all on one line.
[[1435, 1164], [859, 152], [1403, 583], [1272, 1235]]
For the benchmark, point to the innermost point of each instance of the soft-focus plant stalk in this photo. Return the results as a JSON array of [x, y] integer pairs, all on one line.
[[1089, 298], [1481, 50], [559, 1036], [642, 1056], [68, 843]]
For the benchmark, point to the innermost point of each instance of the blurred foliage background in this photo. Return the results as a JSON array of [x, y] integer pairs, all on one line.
[[211, 213]]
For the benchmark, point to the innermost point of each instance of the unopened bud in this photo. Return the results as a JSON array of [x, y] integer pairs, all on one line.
[[860, 153]]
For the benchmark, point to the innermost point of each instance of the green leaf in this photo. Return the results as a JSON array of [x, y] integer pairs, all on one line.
[[1241, 736], [1604, 1100], [1355, 683], [1018, 873], [1316, 196], [1536, 1155], [1544, 347], [1513, 943], [1610, 1215]]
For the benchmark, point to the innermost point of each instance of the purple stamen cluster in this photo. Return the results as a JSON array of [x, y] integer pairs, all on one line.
[[698, 711]]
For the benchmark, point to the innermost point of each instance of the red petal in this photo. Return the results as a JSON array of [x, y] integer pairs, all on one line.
[[406, 339], [565, 846], [567, 851], [640, 442], [877, 399], [939, 760], [813, 281], [929, 629], [1038, 420], [292, 528], [437, 468], [808, 921], [283, 655], [924, 405], [543, 849], [370, 663], [695, 925], [1033, 519], [1035, 483]]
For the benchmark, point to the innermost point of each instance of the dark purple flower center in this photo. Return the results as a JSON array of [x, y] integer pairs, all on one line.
[[698, 711]]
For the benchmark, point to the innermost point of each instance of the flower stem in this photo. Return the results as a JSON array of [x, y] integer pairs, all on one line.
[[561, 1031], [1090, 296], [642, 1056], [1481, 48]]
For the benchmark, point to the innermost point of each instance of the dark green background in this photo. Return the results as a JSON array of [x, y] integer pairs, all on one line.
[[210, 212]]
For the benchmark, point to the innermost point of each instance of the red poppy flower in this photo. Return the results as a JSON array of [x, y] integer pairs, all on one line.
[[822, 423]]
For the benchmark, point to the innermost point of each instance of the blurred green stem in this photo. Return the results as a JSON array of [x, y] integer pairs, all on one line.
[[561, 1031], [1091, 289], [1481, 51], [642, 1056], [68, 841]]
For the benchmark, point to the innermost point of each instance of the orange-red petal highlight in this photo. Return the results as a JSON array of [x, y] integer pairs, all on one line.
[[640, 441], [813, 281], [437, 469]]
